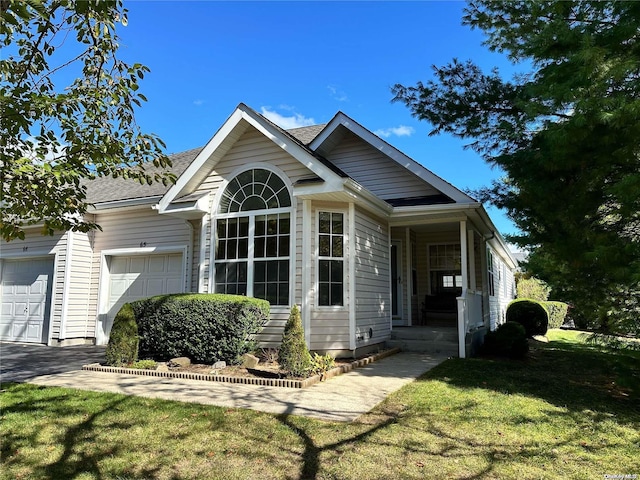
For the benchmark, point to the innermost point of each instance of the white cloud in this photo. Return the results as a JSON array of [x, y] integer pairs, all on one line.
[[399, 131], [337, 94], [198, 102], [286, 122]]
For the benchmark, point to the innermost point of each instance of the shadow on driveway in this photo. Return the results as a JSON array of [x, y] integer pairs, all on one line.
[[20, 362]]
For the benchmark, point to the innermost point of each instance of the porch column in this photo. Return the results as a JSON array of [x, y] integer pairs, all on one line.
[[306, 269], [462, 304], [472, 260]]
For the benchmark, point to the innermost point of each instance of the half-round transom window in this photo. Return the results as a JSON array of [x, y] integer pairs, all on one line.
[[256, 189]]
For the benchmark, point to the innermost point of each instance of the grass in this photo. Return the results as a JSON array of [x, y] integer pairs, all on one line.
[[571, 410]]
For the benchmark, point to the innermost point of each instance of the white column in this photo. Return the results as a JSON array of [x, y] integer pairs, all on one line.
[[408, 276], [472, 260], [306, 269], [464, 256], [462, 305]]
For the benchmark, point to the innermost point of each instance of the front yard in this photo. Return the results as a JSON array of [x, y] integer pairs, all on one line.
[[569, 411]]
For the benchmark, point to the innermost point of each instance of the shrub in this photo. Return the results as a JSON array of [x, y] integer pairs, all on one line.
[[204, 327], [293, 356], [533, 288], [144, 365], [557, 313], [509, 340], [122, 348], [531, 314], [321, 363]]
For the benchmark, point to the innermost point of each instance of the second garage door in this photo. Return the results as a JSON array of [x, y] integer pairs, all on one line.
[[141, 276]]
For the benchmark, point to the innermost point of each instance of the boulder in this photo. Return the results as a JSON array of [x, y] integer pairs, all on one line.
[[179, 362], [249, 361]]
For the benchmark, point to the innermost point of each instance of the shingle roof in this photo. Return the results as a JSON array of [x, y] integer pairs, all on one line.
[[108, 189]]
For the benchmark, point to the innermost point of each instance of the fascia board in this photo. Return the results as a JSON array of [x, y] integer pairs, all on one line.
[[396, 155], [292, 148]]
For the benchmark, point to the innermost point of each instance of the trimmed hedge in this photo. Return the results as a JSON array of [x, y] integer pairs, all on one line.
[[204, 327], [122, 348], [508, 340], [557, 313], [531, 314]]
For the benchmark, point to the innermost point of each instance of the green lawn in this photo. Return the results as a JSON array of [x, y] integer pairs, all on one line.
[[570, 410]]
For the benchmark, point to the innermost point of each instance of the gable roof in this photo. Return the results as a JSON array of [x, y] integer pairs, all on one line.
[[330, 136]]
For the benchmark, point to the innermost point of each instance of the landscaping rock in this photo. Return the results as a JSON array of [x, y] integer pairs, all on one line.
[[162, 367], [179, 362], [249, 361], [220, 364]]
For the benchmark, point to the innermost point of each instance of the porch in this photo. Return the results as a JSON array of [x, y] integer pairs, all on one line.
[[439, 290]]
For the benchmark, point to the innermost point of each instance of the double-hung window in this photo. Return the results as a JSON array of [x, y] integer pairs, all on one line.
[[253, 237], [331, 259]]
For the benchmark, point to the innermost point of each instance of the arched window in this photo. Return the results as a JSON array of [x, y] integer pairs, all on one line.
[[253, 237]]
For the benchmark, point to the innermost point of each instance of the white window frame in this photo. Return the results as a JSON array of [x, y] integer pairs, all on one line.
[[343, 259]]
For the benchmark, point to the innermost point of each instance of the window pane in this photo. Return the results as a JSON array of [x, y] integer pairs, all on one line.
[[283, 273], [285, 224], [336, 294], [272, 293], [260, 225], [243, 248], [259, 290], [221, 251], [243, 227], [272, 271], [283, 294], [272, 224], [283, 198], [242, 271], [336, 249], [260, 175], [260, 271], [336, 271], [323, 270], [231, 248], [258, 248], [283, 248], [325, 222], [245, 177], [232, 227], [221, 229], [324, 248], [337, 221], [272, 247], [323, 294], [221, 273]]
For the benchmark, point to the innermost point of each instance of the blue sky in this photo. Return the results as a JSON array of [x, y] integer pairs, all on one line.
[[299, 63]]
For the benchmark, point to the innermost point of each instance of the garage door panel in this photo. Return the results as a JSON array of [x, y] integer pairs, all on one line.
[[136, 277], [26, 287]]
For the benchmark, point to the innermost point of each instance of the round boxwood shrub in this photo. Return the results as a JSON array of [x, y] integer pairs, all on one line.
[[122, 348], [529, 313], [509, 340], [557, 313], [293, 356]]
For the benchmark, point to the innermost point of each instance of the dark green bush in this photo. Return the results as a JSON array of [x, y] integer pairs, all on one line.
[[557, 313], [122, 348], [529, 313], [294, 357], [508, 340], [204, 327]]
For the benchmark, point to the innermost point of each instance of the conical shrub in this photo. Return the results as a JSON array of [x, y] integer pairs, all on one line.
[[294, 357]]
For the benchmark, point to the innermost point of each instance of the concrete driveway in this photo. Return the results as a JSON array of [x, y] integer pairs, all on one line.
[[343, 398]]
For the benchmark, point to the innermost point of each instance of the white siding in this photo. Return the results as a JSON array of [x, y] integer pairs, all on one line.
[[77, 324], [375, 171], [37, 245], [504, 291], [134, 230], [373, 297]]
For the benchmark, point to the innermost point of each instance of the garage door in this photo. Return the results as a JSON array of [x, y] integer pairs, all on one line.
[[140, 276], [26, 299]]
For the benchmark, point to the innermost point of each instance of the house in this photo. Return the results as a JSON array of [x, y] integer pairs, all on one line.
[[330, 217]]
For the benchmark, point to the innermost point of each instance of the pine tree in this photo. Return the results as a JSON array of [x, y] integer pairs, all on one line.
[[293, 356]]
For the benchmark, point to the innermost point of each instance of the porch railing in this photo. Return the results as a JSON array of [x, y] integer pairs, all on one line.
[[469, 317]]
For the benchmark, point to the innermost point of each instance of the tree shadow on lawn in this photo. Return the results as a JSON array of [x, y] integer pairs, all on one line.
[[577, 377]]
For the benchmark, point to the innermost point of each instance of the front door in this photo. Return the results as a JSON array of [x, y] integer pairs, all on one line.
[[396, 283]]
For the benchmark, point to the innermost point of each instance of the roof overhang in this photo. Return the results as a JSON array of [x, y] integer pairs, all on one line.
[[240, 120]]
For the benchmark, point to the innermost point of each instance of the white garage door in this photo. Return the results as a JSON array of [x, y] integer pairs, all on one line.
[[26, 299], [140, 276]]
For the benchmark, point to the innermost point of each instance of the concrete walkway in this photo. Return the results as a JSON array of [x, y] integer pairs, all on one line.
[[343, 398]]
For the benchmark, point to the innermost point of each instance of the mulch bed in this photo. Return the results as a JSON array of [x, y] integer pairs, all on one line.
[[267, 374]]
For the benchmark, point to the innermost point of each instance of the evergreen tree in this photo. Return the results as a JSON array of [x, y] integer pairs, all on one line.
[[566, 133], [293, 356]]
